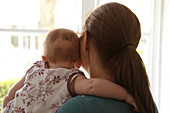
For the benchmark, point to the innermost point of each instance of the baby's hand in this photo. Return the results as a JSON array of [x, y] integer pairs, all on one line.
[[129, 99]]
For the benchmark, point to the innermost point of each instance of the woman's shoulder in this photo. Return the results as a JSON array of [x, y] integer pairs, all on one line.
[[94, 104]]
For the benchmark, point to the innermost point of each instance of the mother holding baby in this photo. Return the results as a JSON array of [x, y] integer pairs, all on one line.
[[108, 45]]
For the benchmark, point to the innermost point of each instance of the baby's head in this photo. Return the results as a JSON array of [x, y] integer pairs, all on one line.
[[61, 46]]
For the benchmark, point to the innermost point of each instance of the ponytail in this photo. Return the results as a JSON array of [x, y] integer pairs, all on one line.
[[131, 73]]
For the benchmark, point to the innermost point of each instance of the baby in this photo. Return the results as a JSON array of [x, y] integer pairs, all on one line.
[[51, 82]]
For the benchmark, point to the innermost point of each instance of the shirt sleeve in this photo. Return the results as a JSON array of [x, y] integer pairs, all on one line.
[[73, 105]]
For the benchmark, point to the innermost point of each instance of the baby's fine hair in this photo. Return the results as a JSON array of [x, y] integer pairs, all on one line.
[[55, 53]]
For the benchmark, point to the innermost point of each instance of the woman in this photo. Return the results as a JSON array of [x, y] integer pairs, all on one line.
[[108, 50]]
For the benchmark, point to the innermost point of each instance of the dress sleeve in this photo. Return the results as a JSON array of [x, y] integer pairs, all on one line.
[[74, 73]]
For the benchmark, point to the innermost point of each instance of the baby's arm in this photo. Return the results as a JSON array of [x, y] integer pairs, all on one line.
[[11, 93], [101, 87]]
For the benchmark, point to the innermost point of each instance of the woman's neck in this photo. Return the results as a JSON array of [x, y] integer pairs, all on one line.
[[98, 72], [95, 69]]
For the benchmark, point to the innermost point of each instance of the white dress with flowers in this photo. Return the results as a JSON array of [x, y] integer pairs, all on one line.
[[44, 91]]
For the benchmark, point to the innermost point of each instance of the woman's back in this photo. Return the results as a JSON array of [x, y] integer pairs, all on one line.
[[94, 104]]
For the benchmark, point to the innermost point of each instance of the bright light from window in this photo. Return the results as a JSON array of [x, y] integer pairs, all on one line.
[[19, 13], [21, 48]]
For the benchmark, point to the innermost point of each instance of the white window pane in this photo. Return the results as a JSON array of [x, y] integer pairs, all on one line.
[[19, 13], [21, 25], [40, 14], [142, 8], [68, 14]]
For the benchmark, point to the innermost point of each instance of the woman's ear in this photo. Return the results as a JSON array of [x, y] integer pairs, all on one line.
[[44, 58]]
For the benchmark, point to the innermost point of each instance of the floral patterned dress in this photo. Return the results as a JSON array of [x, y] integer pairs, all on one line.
[[44, 91]]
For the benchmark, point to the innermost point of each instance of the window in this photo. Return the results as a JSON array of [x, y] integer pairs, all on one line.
[[26, 42], [23, 27], [14, 41]]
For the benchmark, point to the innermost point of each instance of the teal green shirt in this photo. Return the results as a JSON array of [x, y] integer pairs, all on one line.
[[93, 104]]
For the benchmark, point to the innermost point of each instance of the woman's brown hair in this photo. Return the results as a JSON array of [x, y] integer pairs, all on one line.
[[115, 32]]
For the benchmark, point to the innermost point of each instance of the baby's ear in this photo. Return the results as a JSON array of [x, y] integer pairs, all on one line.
[[78, 63], [44, 58]]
